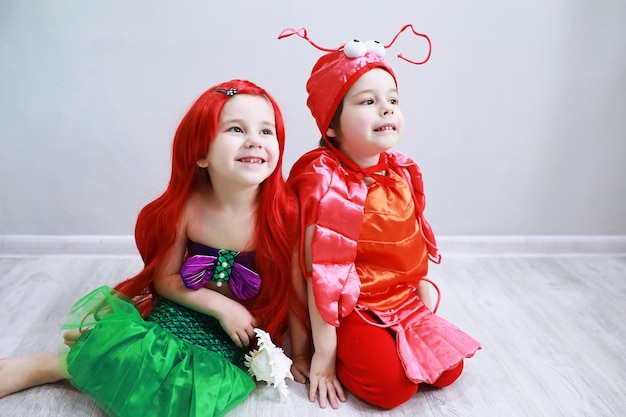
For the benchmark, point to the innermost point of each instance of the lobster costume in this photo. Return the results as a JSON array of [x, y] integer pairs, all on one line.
[[370, 249]]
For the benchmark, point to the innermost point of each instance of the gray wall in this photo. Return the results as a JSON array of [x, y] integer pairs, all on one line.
[[518, 121]]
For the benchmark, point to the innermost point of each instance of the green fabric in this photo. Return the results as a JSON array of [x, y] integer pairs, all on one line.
[[196, 328], [224, 265], [133, 368]]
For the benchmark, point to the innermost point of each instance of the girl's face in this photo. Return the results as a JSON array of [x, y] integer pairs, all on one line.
[[245, 150], [371, 121]]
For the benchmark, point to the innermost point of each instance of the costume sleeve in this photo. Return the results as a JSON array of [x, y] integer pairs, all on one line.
[[403, 164], [332, 201]]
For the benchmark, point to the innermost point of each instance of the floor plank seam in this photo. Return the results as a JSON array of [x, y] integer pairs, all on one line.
[[449, 245]]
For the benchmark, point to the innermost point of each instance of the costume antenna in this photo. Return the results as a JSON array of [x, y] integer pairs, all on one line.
[[430, 46], [303, 34]]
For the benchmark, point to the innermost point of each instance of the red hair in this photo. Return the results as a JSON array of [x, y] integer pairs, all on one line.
[[276, 220]]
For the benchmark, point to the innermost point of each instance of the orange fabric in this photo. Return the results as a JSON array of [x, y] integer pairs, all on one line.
[[391, 254], [332, 198]]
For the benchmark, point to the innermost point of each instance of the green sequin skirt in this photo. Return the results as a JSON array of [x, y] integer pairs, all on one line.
[[177, 363], [196, 328]]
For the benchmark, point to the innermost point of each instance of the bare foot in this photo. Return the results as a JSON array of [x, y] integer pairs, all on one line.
[[71, 336], [21, 372]]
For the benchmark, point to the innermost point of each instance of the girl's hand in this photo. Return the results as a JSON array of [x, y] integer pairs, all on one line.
[[324, 380], [300, 368], [238, 324]]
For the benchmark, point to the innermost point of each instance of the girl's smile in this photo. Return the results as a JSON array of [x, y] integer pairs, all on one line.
[[245, 150]]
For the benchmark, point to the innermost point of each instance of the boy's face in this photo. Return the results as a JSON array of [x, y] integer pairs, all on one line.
[[371, 121]]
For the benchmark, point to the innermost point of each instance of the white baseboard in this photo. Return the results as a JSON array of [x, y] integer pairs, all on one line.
[[564, 245], [38, 245], [92, 245]]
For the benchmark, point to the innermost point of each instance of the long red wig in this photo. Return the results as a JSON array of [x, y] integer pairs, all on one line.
[[275, 232]]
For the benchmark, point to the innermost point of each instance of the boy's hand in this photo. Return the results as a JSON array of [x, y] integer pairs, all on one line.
[[324, 380]]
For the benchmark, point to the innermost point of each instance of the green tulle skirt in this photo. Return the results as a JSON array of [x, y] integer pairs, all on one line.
[[176, 363]]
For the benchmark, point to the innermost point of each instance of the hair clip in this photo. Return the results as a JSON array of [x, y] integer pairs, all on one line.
[[228, 92], [356, 48]]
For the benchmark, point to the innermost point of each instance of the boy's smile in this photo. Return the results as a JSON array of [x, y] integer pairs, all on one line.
[[371, 121]]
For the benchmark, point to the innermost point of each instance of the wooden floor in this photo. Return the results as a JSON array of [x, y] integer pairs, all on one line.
[[553, 331]]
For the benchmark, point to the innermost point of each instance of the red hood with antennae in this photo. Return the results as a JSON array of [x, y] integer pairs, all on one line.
[[335, 72], [331, 77]]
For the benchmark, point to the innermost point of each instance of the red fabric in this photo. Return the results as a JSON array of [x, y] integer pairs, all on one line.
[[331, 77], [449, 376], [328, 192], [334, 73], [370, 248], [427, 344], [391, 260], [369, 367]]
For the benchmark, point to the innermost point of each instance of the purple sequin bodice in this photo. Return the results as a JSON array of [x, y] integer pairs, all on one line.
[[205, 263]]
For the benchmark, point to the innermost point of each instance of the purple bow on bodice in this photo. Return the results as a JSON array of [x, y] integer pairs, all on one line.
[[199, 269]]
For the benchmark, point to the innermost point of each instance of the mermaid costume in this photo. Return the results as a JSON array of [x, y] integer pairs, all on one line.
[[177, 361]]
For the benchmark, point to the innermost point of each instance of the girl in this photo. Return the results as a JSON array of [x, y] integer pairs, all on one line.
[[216, 247], [365, 243]]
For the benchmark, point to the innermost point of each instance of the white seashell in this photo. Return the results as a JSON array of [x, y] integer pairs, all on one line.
[[269, 363]]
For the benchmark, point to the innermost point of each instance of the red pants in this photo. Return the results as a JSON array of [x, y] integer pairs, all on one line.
[[369, 367]]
